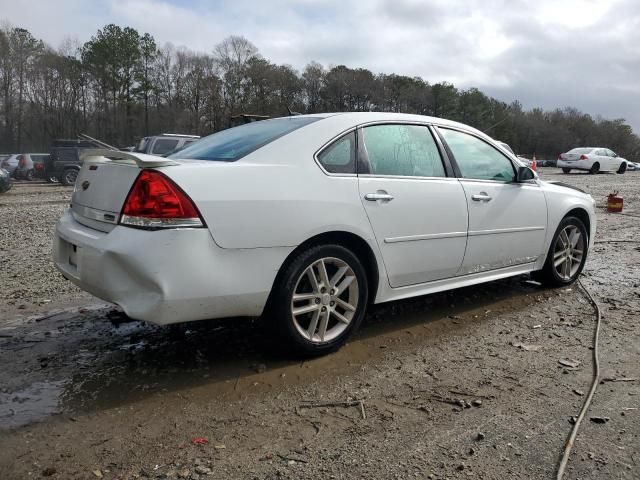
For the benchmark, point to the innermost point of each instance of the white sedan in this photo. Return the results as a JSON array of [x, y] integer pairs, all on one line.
[[591, 159], [308, 219]]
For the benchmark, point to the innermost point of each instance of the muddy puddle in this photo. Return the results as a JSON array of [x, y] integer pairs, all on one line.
[[85, 359]]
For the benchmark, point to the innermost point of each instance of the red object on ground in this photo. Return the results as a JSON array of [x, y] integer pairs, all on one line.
[[614, 203], [199, 441], [534, 164]]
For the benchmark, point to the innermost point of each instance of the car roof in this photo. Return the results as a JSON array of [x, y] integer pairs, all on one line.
[[358, 118]]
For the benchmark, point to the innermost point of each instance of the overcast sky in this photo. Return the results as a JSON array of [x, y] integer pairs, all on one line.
[[547, 53]]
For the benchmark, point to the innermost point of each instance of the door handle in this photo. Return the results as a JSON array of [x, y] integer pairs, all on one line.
[[372, 197], [480, 197]]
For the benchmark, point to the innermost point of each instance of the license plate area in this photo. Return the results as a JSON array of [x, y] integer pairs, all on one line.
[[67, 256], [72, 251]]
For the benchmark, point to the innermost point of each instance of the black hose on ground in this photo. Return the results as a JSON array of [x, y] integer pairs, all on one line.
[[594, 384]]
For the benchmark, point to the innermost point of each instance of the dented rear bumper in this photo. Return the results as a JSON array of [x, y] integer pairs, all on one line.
[[166, 276]]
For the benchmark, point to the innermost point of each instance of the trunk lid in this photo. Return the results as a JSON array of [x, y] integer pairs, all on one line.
[[103, 183]]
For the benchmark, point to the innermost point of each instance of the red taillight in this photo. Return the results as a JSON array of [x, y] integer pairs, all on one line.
[[584, 157], [22, 161], [39, 166], [560, 157], [155, 201]]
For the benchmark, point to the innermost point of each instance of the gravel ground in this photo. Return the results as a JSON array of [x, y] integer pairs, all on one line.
[[461, 384], [28, 213]]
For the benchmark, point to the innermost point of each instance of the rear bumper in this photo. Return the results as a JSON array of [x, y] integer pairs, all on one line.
[[166, 276], [575, 165]]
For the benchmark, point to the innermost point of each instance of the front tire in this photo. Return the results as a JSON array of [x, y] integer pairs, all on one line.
[[595, 168], [566, 170], [320, 300], [567, 254], [623, 168]]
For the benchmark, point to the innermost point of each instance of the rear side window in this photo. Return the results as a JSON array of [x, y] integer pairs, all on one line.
[[340, 156], [406, 150], [234, 143], [164, 145]]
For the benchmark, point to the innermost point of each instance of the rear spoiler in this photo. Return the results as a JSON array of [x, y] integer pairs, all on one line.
[[142, 160]]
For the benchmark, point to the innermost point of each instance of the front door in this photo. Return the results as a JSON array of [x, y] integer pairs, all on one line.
[[418, 214], [507, 220]]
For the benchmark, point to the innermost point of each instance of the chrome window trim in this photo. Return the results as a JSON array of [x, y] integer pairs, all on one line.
[[408, 177], [532, 182], [327, 145]]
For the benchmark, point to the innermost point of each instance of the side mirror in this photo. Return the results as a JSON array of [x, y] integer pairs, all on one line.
[[524, 174]]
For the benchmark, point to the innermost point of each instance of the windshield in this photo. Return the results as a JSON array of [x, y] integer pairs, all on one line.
[[234, 143]]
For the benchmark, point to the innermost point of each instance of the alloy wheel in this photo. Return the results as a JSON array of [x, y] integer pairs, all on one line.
[[568, 252], [325, 300]]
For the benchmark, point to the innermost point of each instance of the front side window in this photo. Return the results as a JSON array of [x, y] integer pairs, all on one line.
[[164, 145], [234, 143], [476, 158], [406, 150], [340, 156]]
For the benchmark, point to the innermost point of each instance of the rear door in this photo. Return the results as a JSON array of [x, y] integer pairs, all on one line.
[[507, 220], [417, 212]]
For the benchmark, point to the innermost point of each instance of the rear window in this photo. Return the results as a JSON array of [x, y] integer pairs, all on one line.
[[580, 150], [234, 143]]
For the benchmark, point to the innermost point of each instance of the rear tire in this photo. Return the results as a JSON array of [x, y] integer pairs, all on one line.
[[29, 175], [623, 168], [328, 307], [595, 168], [566, 170], [52, 179], [570, 244], [69, 177]]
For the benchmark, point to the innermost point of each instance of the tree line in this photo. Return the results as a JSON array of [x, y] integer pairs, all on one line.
[[120, 86]]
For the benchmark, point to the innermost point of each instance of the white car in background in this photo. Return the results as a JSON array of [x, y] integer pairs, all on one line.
[[591, 159], [308, 219]]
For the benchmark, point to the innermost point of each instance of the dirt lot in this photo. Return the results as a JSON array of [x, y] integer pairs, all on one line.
[[461, 384]]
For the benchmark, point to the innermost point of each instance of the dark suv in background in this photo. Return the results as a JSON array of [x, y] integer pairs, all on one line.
[[64, 162]]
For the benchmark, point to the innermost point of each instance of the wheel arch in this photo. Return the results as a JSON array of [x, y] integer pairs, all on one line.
[[583, 215], [358, 245]]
